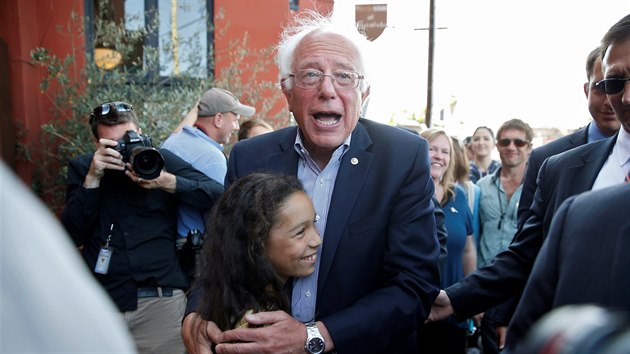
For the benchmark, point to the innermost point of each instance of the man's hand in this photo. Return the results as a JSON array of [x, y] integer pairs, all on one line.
[[199, 334], [441, 308], [105, 158], [501, 332], [165, 181], [478, 318], [281, 334]]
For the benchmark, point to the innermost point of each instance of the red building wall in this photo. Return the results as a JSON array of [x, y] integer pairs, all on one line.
[[262, 20], [24, 25]]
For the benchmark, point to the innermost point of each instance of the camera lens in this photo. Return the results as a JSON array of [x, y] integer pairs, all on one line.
[[147, 162]]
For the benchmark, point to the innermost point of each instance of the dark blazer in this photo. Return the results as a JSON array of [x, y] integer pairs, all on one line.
[[560, 177], [584, 259], [536, 159], [378, 274]]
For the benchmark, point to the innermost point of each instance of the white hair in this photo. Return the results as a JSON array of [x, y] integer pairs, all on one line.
[[308, 22]]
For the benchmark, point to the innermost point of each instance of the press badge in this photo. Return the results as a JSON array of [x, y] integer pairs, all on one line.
[[105, 255], [102, 262]]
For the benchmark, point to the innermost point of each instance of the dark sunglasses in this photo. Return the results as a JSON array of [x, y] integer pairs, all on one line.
[[612, 86], [106, 108], [506, 142]]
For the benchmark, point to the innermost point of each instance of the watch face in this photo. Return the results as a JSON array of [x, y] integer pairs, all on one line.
[[315, 345]]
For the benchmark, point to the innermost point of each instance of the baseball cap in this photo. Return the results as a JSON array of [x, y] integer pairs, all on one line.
[[218, 100]]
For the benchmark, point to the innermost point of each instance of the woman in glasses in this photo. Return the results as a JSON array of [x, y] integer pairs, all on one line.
[[482, 145], [449, 336]]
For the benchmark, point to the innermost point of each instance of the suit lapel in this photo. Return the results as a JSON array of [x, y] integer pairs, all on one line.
[[580, 137], [353, 172], [582, 175]]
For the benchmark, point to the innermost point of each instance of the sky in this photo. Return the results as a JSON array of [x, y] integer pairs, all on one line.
[[498, 59]]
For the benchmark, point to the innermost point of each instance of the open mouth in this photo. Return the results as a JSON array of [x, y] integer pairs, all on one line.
[[327, 118]]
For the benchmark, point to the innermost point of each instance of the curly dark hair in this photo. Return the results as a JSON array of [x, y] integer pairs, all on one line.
[[236, 274]]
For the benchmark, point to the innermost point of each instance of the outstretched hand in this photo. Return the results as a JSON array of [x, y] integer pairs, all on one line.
[[441, 308]]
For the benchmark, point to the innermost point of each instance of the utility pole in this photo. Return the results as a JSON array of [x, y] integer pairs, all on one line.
[[427, 114], [429, 107]]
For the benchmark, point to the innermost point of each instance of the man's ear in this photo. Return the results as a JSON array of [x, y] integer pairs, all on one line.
[[365, 95], [285, 91], [586, 89], [288, 94], [217, 121]]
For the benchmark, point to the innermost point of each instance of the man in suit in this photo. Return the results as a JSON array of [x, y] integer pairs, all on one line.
[[377, 273], [603, 125], [592, 166], [576, 268]]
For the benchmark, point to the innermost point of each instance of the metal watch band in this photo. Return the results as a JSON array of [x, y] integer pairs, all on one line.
[[314, 340]]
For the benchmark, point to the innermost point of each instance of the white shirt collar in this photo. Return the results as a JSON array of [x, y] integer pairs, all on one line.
[[621, 152]]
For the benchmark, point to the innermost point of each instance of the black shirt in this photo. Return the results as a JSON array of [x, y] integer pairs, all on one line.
[[144, 225]]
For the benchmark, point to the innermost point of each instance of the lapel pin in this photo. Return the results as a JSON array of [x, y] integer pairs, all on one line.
[[453, 210], [354, 161]]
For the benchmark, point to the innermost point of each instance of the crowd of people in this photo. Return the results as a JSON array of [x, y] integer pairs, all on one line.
[[344, 235]]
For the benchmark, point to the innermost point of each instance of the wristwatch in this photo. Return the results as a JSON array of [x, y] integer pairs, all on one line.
[[314, 340]]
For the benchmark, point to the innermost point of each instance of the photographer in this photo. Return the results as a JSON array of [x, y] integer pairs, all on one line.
[[121, 208]]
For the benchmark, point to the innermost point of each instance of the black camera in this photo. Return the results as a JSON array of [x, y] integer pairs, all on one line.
[[138, 150], [189, 253]]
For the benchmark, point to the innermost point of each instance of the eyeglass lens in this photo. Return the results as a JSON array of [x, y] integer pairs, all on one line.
[[612, 86], [517, 142], [309, 79]]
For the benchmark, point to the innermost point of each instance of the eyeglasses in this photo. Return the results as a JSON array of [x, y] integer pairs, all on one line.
[[342, 80], [612, 86], [506, 142], [104, 109]]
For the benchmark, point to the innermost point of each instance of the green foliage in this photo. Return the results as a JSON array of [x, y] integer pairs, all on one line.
[[160, 102]]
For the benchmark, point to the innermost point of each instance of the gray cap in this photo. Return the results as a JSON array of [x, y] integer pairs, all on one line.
[[218, 100]]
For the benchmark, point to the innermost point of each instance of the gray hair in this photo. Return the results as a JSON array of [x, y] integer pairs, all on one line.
[[308, 22]]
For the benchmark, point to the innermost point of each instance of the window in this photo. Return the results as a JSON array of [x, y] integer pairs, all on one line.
[[169, 37]]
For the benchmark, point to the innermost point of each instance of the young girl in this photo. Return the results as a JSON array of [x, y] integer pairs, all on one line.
[[261, 233]]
